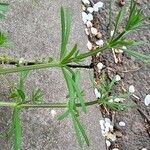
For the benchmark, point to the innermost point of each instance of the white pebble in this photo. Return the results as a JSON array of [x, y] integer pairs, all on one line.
[[97, 6], [117, 78], [122, 124], [107, 120], [21, 60], [97, 93], [90, 9], [107, 124], [147, 100], [144, 148], [89, 24], [124, 47], [90, 17], [89, 45], [100, 66], [83, 8], [117, 100], [111, 101], [94, 31], [87, 31], [119, 51], [84, 17], [53, 113], [100, 43], [115, 149], [108, 143], [101, 122], [131, 89], [112, 33], [113, 137], [85, 2]]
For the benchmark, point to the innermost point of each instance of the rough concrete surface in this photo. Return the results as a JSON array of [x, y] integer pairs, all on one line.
[[34, 29]]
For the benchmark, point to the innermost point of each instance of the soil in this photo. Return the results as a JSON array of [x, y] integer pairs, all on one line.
[[136, 134]]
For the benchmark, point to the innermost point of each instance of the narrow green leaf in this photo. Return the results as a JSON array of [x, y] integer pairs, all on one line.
[[64, 115], [77, 90], [65, 25], [70, 88], [137, 55], [3, 9], [17, 128], [82, 131], [3, 39], [21, 94], [77, 130], [119, 17], [63, 30], [72, 52]]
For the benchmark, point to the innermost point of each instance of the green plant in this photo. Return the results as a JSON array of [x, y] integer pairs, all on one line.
[[69, 60]]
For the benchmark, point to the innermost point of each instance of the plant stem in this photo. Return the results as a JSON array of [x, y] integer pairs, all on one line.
[[50, 65], [27, 68], [45, 105]]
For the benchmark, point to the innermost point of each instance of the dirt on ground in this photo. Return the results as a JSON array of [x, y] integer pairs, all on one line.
[[136, 134]]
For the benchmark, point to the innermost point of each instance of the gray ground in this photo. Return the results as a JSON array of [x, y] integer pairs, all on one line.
[[34, 30]]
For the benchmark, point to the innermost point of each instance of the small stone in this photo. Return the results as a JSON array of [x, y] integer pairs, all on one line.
[[111, 127], [107, 120], [112, 33], [84, 17], [107, 124], [94, 31], [97, 6], [147, 100], [100, 43], [21, 61], [117, 78], [122, 124], [100, 66], [111, 101], [90, 17], [117, 100], [86, 2], [90, 9], [144, 148], [89, 45], [124, 47], [89, 24], [83, 8], [115, 149], [108, 143], [53, 113], [111, 136], [97, 93], [131, 89], [87, 31], [99, 35], [119, 51]]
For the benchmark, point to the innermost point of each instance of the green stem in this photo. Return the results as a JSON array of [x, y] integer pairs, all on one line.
[[27, 68], [7, 104], [45, 105], [50, 65], [90, 53]]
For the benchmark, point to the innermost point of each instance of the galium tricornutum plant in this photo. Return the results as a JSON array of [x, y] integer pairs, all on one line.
[[68, 60]]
